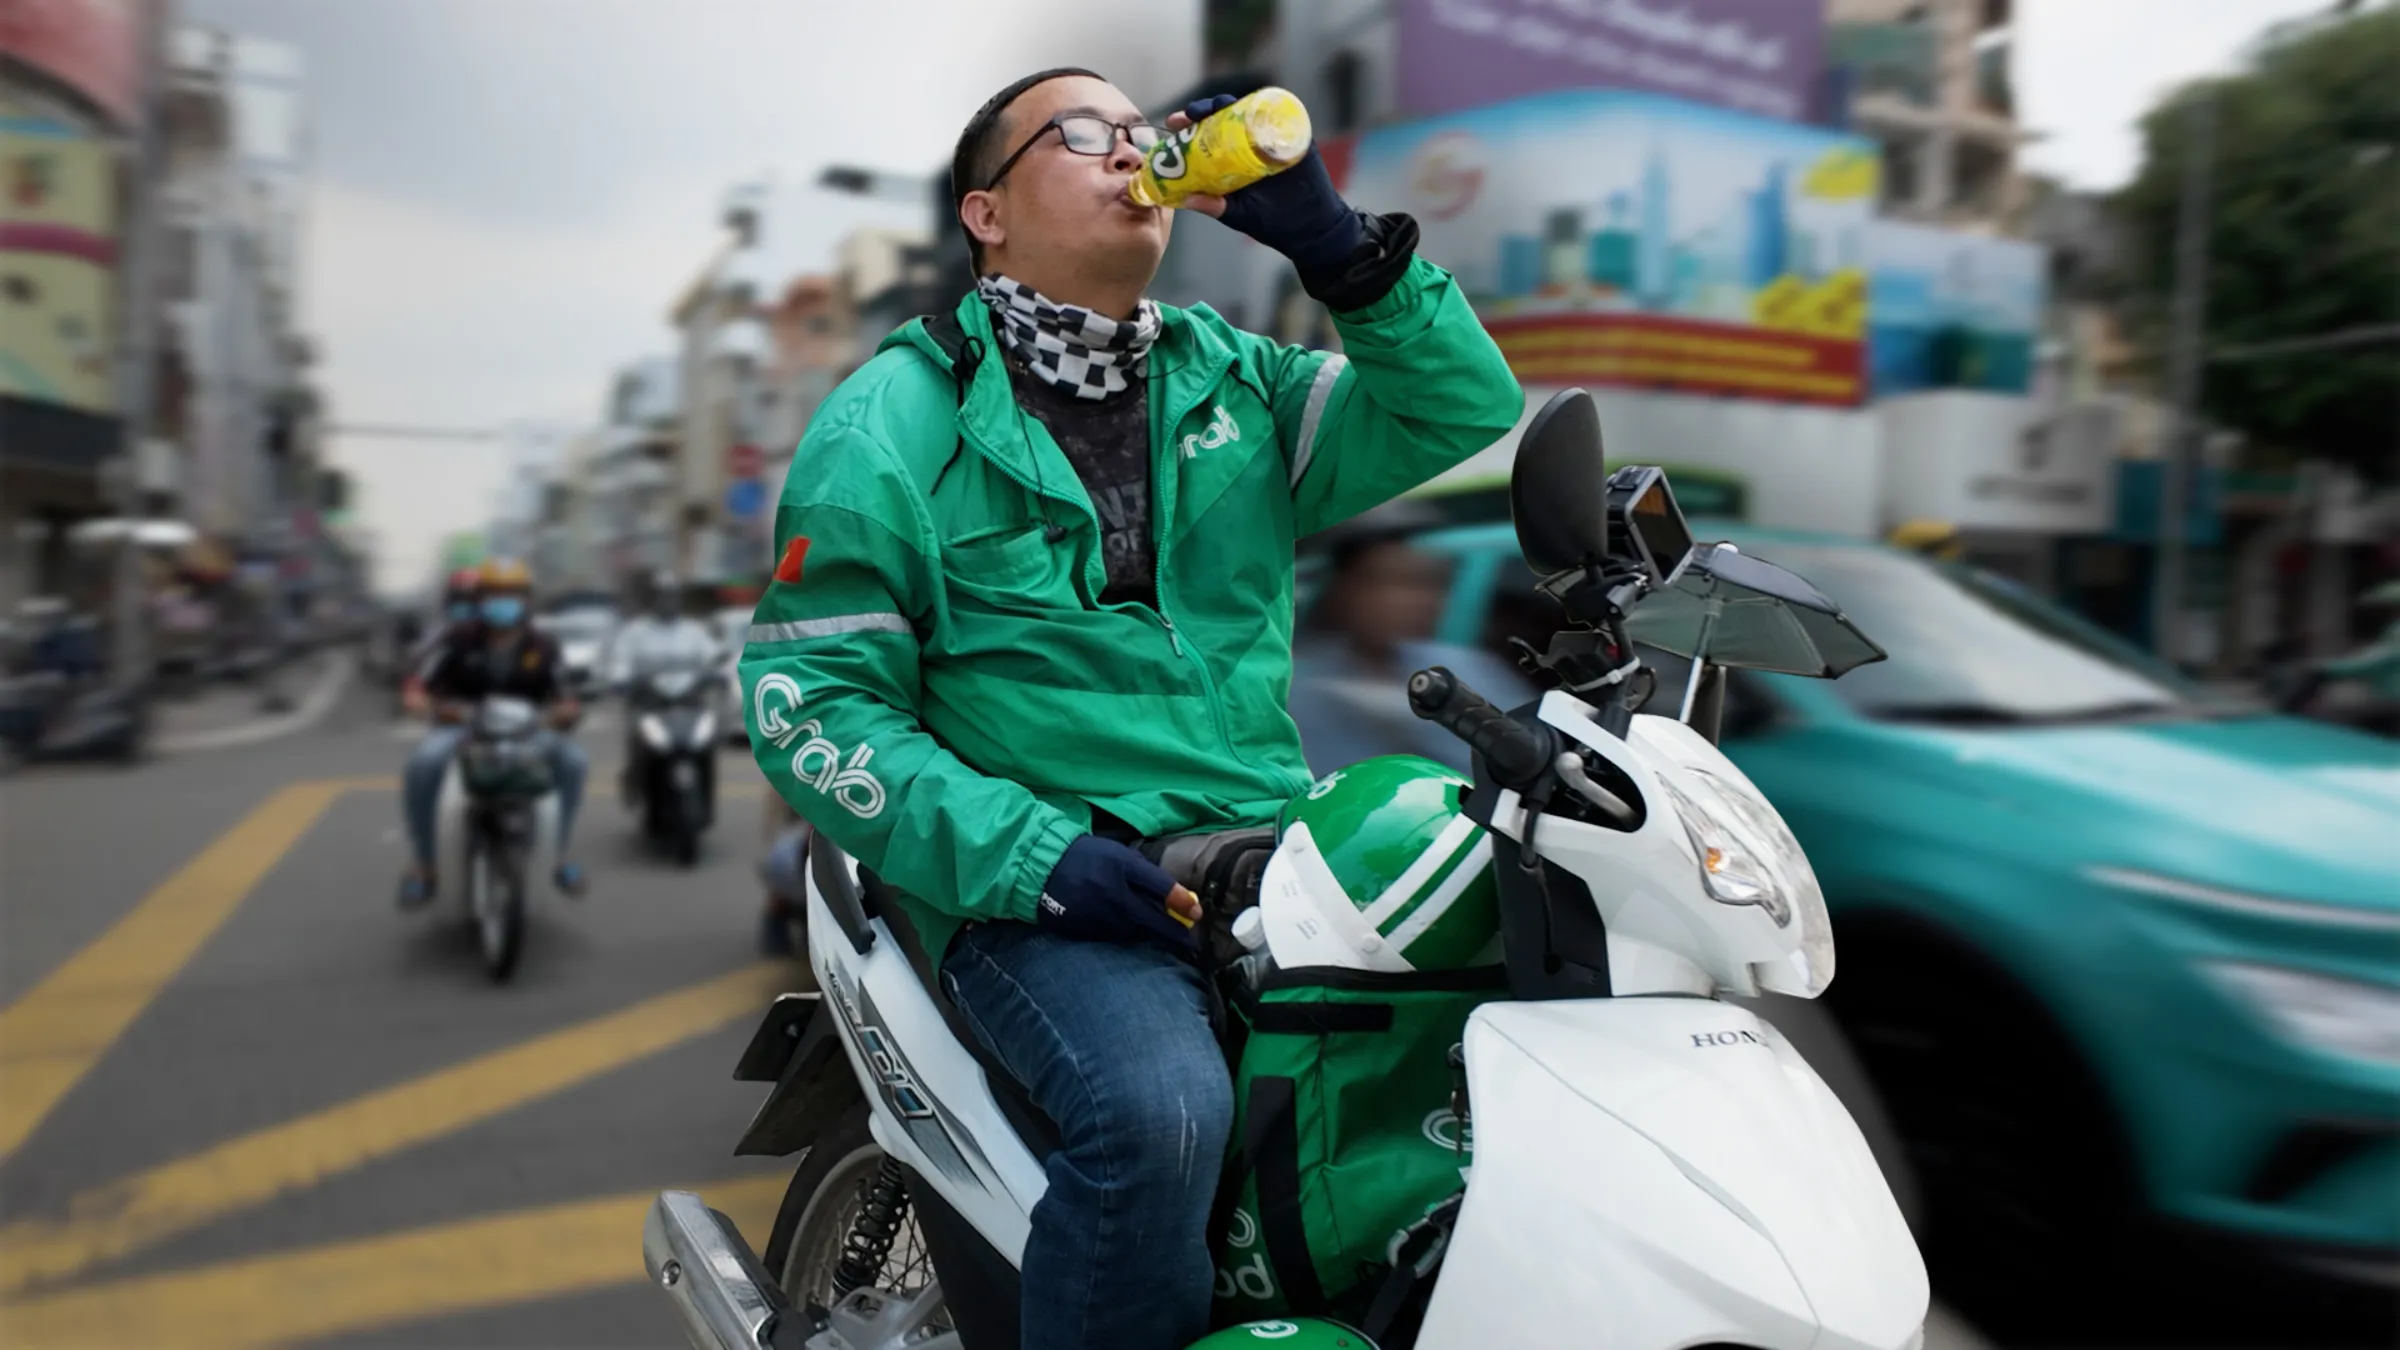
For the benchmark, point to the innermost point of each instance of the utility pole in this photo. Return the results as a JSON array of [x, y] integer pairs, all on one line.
[[2179, 462], [154, 24]]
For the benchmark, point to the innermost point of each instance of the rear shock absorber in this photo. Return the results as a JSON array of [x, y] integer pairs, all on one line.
[[869, 1242]]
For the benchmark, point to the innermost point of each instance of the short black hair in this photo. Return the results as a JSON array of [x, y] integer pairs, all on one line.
[[978, 154]]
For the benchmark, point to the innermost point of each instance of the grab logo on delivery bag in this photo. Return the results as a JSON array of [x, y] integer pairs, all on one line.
[[818, 761], [1250, 1278]]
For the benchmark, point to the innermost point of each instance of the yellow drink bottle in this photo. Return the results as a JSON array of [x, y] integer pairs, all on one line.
[[1264, 133]]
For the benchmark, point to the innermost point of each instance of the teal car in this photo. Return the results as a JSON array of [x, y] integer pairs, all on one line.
[[2112, 951]]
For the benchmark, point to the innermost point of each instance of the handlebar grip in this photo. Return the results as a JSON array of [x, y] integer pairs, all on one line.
[[1514, 753]]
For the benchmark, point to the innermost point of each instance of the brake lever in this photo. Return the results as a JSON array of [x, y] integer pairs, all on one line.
[[1570, 769]]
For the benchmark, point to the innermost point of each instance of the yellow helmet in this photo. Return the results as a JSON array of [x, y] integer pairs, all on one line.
[[504, 574]]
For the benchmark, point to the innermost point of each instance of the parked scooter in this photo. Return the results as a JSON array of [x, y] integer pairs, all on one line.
[[500, 801], [61, 705], [1652, 1166], [671, 771]]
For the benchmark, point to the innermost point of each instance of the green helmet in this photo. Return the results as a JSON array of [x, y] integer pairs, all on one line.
[[1303, 1333], [1381, 871]]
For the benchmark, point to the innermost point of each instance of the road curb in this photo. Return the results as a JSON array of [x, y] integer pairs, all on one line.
[[312, 710]]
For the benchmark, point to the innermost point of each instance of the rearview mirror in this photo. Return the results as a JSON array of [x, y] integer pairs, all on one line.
[[1558, 489]]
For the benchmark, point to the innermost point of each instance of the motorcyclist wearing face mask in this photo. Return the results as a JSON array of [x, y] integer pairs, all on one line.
[[498, 652]]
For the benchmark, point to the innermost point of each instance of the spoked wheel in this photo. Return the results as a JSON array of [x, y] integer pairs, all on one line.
[[496, 872], [851, 1226]]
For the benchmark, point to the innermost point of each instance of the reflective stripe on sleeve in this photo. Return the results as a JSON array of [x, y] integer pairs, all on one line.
[[1319, 391], [796, 629]]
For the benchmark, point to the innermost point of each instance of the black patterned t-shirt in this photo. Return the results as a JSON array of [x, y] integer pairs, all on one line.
[[1108, 442]]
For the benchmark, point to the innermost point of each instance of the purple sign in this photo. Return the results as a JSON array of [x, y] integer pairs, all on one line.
[[1756, 56]]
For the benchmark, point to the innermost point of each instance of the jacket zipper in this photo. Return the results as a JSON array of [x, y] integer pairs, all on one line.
[[1161, 436], [1208, 685]]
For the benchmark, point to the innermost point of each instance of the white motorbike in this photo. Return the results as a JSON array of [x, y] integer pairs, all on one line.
[[1654, 1167]]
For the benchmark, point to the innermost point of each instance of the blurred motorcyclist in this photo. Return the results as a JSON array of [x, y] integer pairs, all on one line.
[[662, 638], [781, 870], [413, 639], [495, 653], [460, 591], [1375, 624]]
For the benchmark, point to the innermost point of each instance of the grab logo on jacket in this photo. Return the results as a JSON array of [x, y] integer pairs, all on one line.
[[818, 762], [769, 713], [1221, 428]]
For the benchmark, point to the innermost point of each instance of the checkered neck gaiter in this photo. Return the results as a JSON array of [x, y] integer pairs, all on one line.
[[1066, 346]]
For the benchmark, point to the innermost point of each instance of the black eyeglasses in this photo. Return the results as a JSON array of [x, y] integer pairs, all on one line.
[[1085, 134]]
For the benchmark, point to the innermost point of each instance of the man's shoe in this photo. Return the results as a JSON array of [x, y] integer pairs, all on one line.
[[416, 891], [570, 879], [774, 935]]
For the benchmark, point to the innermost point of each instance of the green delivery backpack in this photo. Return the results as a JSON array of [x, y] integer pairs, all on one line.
[[1346, 1125]]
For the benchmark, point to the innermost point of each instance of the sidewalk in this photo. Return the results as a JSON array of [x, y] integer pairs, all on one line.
[[222, 716]]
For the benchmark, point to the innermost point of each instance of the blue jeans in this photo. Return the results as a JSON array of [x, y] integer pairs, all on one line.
[[421, 785], [1113, 1043]]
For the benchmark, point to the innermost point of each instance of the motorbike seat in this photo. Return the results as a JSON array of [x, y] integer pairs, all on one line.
[[1033, 1126]]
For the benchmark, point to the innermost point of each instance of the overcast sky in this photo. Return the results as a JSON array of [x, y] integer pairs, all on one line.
[[509, 194]]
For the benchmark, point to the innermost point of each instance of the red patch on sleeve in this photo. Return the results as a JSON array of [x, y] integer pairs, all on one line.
[[788, 570]]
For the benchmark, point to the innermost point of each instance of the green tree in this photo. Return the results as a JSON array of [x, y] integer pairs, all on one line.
[[2304, 238]]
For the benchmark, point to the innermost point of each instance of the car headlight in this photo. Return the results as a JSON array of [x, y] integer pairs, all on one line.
[[654, 731], [1731, 871], [2322, 1012], [705, 729]]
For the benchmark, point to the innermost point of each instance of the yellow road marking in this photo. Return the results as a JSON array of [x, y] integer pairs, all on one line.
[[352, 1286], [376, 783], [53, 1035], [140, 1210]]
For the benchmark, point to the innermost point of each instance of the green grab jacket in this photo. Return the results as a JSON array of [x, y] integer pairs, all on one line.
[[940, 694]]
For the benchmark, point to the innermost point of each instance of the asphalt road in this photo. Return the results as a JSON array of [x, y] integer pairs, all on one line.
[[245, 1102]]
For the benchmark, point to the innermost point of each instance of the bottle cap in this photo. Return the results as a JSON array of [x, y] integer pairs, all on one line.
[[1250, 929]]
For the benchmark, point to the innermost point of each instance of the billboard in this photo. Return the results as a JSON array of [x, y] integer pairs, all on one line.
[[58, 254], [1755, 56], [86, 45], [1952, 311], [1611, 238]]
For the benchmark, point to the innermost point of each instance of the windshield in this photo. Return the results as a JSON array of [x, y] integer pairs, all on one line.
[[1969, 647]]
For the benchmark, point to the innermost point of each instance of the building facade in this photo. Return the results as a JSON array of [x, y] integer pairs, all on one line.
[[1930, 80], [69, 92]]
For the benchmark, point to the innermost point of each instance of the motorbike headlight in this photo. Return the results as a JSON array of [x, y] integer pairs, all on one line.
[[654, 731], [1732, 872], [2321, 1012], [704, 728]]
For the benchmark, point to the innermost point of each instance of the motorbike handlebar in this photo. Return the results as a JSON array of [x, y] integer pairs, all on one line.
[[1515, 754]]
